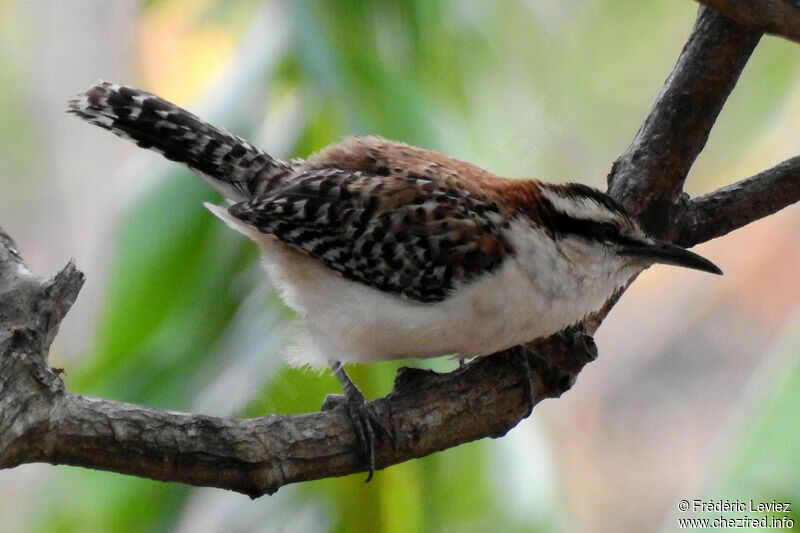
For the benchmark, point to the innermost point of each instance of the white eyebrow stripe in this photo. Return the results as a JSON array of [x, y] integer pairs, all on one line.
[[579, 207]]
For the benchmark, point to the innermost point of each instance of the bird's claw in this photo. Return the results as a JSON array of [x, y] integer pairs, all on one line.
[[367, 426]]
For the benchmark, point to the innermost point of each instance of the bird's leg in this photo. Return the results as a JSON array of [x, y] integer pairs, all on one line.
[[364, 421]]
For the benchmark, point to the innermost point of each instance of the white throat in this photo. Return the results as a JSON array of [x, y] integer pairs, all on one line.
[[576, 277]]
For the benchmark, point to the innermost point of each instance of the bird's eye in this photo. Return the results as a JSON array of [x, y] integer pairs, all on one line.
[[609, 232]]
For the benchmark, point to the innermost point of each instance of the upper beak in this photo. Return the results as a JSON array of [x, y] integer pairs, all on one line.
[[669, 254]]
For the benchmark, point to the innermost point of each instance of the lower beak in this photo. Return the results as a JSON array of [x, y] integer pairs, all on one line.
[[669, 254]]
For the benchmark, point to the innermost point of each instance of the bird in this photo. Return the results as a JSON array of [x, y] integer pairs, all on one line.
[[386, 250]]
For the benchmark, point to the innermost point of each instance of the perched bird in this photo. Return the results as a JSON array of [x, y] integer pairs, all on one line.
[[390, 251]]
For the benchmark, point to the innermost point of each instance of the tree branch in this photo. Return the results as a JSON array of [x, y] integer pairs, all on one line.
[[778, 17], [731, 207], [648, 178], [428, 412]]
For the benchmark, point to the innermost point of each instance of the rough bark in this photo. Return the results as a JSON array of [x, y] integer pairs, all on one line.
[[426, 411]]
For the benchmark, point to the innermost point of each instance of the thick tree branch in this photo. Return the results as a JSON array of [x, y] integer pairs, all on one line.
[[31, 310], [428, 412], [648, 178], [778, 17]]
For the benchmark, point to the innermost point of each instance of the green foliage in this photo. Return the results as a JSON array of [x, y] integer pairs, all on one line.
[[338, 60], [173, 291]]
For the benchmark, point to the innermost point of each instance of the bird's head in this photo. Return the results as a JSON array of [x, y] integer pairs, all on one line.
[[593, 230]]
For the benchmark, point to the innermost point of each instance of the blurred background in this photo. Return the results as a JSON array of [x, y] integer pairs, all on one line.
[[695, 392]]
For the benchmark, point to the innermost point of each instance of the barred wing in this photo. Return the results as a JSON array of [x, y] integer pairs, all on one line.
[[409, 236]]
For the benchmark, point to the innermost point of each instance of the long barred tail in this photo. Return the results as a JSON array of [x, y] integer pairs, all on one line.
[[228, 163]]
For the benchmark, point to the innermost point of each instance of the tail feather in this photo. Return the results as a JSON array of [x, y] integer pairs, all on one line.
[[225, 161]]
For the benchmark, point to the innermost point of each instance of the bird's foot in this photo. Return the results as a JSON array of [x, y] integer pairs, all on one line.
[[366, 424]]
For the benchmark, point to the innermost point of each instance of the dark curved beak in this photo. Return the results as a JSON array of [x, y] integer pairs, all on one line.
[[668, 254]]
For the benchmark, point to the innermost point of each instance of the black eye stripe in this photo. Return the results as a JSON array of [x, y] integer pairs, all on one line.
[[589, 229], [607, 231]]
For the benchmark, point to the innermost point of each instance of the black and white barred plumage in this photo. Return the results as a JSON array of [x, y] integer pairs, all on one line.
[[225, 161], [351, 221], [394, 230]]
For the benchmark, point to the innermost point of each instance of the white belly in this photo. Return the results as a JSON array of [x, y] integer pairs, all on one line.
[[349, 321]]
